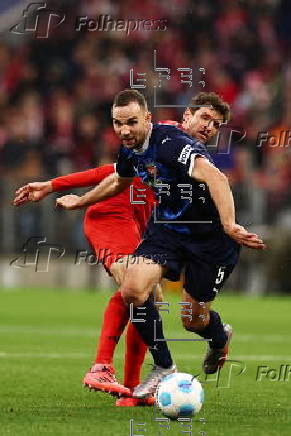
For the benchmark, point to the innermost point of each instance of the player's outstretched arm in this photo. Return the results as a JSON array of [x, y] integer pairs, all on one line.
[[109, 187], [81, 179], [35, 191], [38, 190], [221, 194]]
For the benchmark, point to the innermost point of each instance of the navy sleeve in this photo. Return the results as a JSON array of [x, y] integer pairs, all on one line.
[[124, 164], [177, 153]]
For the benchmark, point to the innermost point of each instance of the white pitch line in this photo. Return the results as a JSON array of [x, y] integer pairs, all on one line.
[[47, 331], [8, 355], [262, 338], [64, 331], [244, 357]]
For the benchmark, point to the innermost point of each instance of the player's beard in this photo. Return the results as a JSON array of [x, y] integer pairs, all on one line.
[[136, 141], [129, 142], [132, 142]]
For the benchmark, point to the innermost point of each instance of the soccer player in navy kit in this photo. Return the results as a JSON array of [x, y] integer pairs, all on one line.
[[198, 233]]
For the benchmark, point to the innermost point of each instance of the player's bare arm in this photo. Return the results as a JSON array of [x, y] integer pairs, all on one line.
[[109, 187], [38, 190], [220, 191], [35, 191]]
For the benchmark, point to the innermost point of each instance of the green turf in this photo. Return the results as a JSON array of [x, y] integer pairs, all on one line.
[[47, 341]]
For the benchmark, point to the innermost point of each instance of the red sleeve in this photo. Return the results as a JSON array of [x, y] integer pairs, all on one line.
[[85, 178]]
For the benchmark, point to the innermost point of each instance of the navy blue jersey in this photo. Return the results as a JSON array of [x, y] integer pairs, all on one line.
[[185, 204]]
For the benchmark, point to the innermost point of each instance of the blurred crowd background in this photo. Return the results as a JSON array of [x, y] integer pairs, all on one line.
[[56, 94]]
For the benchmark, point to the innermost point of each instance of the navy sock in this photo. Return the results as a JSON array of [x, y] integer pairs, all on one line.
[[214, 331], [148, 332]]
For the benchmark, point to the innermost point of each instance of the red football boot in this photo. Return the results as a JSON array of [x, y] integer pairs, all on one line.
[[101, 377], [134, 402]]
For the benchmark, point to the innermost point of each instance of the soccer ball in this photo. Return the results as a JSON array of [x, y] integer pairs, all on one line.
[[179, 395]]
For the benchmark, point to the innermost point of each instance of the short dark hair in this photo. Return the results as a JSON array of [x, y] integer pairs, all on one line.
[[123, 98], [213, 99]]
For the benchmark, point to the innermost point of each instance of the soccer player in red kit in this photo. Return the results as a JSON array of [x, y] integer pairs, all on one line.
[[102, 226], [114, 229]]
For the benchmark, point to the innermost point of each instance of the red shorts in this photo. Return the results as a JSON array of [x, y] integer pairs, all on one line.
[[111, 239]]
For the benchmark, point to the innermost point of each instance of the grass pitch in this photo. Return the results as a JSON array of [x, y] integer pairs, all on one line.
[[48, 340]]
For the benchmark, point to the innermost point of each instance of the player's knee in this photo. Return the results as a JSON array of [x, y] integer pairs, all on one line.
[[131, 295], [117, 270], [195, 324]]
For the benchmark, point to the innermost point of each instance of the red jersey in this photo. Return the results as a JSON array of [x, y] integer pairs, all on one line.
[[118, 206]]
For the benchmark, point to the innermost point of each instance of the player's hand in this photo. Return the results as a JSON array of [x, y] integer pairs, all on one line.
[[35, 191], [69, 202], [243, 237]]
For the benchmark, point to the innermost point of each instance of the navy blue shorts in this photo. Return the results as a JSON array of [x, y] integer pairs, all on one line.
[[208, 259]]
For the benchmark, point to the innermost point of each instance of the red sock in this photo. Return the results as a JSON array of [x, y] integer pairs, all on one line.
[[134, 357], [115, 320]]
